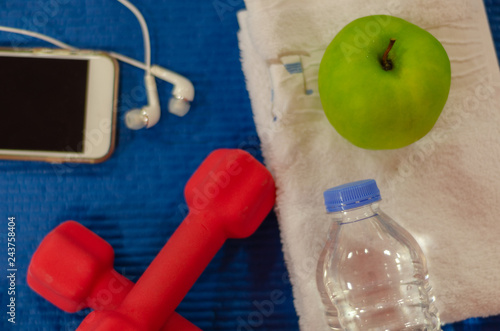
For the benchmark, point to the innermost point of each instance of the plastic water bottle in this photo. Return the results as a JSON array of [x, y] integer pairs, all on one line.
[[372, 274]]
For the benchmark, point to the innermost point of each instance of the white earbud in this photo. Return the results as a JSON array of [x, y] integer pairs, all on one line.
[[149, 115], [182, 93]]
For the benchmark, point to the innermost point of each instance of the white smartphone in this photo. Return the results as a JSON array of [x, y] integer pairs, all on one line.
[[57, 105]]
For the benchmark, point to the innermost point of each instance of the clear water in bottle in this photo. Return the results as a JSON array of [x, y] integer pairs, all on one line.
[[372, 274]]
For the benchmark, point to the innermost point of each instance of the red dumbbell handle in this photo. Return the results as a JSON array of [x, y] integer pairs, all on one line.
[[109, 292], [120, 286], [181, 261]]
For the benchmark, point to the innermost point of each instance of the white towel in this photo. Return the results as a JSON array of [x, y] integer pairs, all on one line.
[[445, 189]]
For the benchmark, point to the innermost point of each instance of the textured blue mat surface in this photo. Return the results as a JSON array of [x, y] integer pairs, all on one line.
[[135, 199]]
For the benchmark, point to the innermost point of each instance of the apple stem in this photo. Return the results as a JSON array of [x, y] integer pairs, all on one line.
[[387, 63]]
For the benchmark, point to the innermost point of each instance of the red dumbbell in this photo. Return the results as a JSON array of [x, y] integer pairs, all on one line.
[[229, 196], [73, 269]]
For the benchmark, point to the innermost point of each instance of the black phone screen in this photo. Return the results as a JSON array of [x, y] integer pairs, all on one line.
[[42, 104]]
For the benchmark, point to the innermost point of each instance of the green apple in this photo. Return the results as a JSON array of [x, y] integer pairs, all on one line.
[[383, 82]]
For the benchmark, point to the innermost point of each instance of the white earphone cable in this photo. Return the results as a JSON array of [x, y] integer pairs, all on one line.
[[145, 33], [40, 36]]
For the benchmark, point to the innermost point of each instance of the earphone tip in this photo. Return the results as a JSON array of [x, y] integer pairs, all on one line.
[[179, 107], [135, 120]]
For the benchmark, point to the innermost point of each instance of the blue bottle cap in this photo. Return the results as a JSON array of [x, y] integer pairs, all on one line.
[[351, 195]]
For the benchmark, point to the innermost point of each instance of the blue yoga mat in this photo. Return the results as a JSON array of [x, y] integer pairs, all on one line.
[[135, 199]]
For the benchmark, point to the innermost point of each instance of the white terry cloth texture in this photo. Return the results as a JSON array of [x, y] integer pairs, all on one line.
[[445, 188]]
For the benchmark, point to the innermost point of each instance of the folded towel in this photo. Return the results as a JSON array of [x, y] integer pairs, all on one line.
[[445, 188]]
